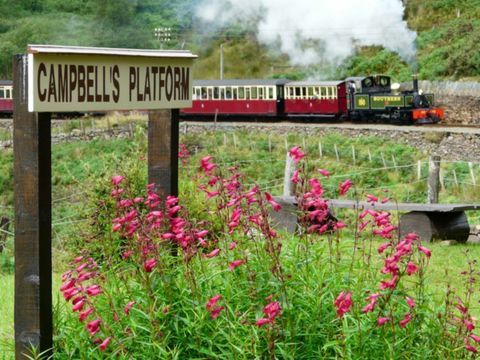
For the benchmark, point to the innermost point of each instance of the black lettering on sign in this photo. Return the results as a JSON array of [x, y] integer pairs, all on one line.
[[155, 72], [169, 83], [51, 85], [62, 83], [161, 82], [73, 80], [42, 95], [146, 90], [185, 83], [137, 85], [90, 82], [98, 97], [116, 84], [106, 97], [176, 76], [132, 79], [81, 83]]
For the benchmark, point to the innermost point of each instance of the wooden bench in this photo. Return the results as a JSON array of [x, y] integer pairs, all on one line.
[[430, 221]]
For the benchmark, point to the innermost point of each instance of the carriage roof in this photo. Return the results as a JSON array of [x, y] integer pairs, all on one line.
[[240, 82], [315, 83]]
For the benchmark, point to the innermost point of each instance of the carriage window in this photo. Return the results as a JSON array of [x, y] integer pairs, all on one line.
[[329, 92], [291, 93], [210, 93], [228, 93], [241, 93], [216, 93], [279, 92], [235, 93], [310, 92], [9, 94], [334, 92], [247, 93], [260, 93], [254, 92], [222, 93], [270, 93], [383, 81], [323, 92], [204, 93], [2, 94], [298, 92], [198, 93]]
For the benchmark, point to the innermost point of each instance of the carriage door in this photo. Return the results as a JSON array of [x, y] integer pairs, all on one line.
[[280, 101]]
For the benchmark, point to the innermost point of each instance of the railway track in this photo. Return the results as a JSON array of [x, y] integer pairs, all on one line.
[[459, 129]]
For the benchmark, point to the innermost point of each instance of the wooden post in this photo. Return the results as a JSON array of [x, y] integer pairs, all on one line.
[[433, 179], [336, 152], [320, 150], [419, 169], [287, 183], [353, 155], [472, 174], [455, 177], [383, 159], [33, 221], [369, 155], [286, 144], [163, 138], [4, 224]]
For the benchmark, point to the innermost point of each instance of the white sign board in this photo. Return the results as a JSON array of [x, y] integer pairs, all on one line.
[[62, 79]]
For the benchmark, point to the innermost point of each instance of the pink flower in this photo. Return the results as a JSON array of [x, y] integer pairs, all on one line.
[[272, 310], [324, 172], [94, 326], [232, 245], [344, 187], [469, 325], [406, 319], [105, 343], [94, 290], [296, 154], [213, 301], [127, 308], [383, 247], [150, 264], [234, 264], [410, 302], [276, 206], [213, 253], [79, 305], [411, 268], [382, 320], [475, 338], [426, 251], [84, 314], [343, 303], [471, 348], [372, 198], [295, 179], [117, 179], [263, 321], [215, 312]]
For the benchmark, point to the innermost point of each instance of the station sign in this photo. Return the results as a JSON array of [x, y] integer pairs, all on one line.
[[63, 79]]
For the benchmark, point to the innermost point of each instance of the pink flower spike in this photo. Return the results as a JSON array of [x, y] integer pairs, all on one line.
[[215, 312], [410, 302], [213, 301], [117, 179], [372, 198], [295, 179], [94, 326], [411, 268], [94, 290], [213, 253], [383, 247], [263, 321], [324, 172], [232, 245], [296, 154], [149, 265], [234, 264], [475, 338], [471, 348], [127, 308], [84, 314], [382, 320], [426, 251], [405, 320], [343, 303], [344, 187], [105, 343]]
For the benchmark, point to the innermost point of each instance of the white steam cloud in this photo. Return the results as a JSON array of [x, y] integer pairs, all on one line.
[[310, 31]]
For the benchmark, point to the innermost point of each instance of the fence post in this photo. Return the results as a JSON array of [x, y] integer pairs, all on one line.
[[353, 155], [419, 169], [383, 160], [433, 179], [4, 223], [455, 177], [369, 155], [288, 189], [336, 152], [320, 150], [472, 174]]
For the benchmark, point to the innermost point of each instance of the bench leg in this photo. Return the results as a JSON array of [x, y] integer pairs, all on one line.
[[436, 225]]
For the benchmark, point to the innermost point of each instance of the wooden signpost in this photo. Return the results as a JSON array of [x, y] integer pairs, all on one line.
[[62, 79]]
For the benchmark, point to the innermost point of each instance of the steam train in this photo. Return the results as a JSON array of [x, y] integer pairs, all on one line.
[[369, 98]]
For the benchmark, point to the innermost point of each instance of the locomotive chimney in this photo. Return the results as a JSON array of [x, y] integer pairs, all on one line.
[[415, 83]]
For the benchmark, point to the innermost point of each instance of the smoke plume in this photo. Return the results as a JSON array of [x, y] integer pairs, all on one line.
[[309, 30]]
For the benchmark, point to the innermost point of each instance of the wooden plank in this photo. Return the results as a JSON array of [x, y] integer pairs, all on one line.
[[163, 141], [352, 204], [433, 179], [33, 261]]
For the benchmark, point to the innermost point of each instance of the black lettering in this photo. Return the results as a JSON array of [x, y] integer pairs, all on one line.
[[161, 82], [81, 83], [169, 83], [106, 97], [139, 95], [116, 84], [146, 90], [51, 85], [155, 72], [62, 83], [131, 81], [42, 95], [185, 83], [176, 77], [90, 97], [98, 97], [73, 80]]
